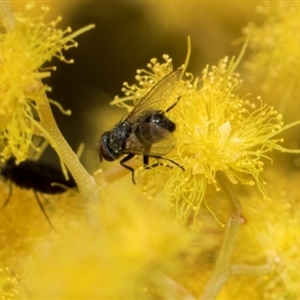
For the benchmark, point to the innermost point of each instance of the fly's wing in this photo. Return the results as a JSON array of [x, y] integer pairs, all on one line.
[[154, 99], [151, 140]]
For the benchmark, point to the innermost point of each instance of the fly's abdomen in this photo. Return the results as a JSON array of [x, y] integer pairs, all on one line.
[[154, 128]]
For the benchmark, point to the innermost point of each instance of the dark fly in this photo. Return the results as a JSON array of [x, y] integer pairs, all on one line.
[[146, 130], [39, 176]]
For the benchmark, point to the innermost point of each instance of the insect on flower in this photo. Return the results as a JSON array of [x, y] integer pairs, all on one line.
[[40, 176], [145, 130]]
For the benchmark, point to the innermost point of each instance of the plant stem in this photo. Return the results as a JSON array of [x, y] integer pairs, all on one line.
[[251, 270], [115, 173], [86, 183], [222, 269], [178, 289]]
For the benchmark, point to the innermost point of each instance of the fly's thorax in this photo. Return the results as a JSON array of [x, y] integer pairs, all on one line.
[[118, 136]]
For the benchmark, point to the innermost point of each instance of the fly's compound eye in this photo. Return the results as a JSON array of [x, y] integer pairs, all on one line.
[[103, 151]]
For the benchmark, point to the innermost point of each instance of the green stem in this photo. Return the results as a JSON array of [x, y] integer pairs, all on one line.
[[286, 150], [222, 269], [251, 270], [6, 15], [284, 128], [239, 58], [115, 173], [78, 32], [86, 183]]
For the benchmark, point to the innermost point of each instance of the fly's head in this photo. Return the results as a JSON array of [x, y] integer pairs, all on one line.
[[104, 149], [112, 142]]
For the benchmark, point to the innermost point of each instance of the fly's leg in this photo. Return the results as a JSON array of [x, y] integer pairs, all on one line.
[[173, 105], [147, 167], [9, 195], [124, 160], [146, 163], [173, 162], [146, 160], [43, 209]]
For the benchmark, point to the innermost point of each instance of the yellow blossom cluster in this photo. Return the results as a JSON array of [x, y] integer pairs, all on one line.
[[9, 284], [216, 130], [23, 51], [274, 60]]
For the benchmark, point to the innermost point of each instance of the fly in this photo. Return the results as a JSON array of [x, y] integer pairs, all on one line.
[[38, 176], [146, 130]]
